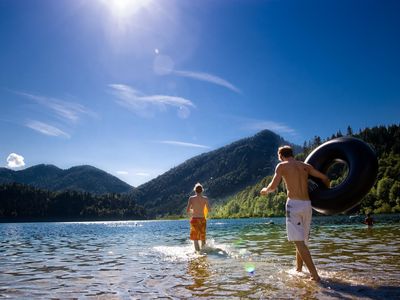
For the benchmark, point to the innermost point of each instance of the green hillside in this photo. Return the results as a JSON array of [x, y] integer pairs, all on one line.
[[222, 172]]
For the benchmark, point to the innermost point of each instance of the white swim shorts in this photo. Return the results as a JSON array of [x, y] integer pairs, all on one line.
[[298, 219]]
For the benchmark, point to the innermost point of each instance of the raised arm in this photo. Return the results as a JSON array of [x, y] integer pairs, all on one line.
[[271, 187], [315, 173]]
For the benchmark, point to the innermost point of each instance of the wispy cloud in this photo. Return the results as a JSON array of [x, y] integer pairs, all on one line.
[[184, 144], [122, 172], [271, 125], [66, 110], [143, 104], [141, 174], [208, 78], [15, 160], [46, 129]]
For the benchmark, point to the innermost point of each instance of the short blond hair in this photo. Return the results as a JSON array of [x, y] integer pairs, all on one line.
[[198, 188]]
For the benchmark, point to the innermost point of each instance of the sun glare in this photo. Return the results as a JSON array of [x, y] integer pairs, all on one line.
[[123, 9]]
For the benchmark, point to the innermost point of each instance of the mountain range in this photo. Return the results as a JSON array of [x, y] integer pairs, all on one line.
[[230, 175], [80, 178], [223, 172]]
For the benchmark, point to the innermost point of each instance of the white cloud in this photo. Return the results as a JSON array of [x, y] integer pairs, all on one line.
[[15, 161], [122, 172], [46, 129], [208, 78], [184, 144], [143, 104], [66, 110]]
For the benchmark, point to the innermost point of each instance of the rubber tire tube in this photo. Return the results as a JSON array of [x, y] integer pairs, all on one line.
[[362, 172]]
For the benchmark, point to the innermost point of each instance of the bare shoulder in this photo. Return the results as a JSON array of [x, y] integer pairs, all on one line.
[[305, 165], [281, 166]]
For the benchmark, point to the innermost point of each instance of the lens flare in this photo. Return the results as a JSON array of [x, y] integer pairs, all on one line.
[[250, 267]]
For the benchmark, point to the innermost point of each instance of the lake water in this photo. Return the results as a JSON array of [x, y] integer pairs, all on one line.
[[246, 259]]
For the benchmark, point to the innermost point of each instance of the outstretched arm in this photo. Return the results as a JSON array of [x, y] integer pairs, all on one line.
[[315, 173], [271, 187]]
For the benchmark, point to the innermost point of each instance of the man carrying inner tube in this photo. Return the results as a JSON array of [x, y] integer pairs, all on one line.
[[298, 205]]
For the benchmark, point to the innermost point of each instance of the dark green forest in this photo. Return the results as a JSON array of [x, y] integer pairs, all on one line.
[[26, 203], [384, 197]]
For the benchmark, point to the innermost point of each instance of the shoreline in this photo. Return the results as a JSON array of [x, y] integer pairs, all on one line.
[[74, 220]]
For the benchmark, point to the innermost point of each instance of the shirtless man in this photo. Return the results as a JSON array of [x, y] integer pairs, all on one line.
[[198, 223], [298, 205]]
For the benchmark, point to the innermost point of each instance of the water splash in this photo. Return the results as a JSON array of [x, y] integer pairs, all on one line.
[[175, 253]]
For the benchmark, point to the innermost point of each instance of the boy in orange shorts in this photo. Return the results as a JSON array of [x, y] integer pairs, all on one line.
[[198, 224]]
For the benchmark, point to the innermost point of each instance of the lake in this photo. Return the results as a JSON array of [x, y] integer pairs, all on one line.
[[245, 259]]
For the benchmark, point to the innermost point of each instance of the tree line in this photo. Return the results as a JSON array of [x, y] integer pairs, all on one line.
[[20, 202]]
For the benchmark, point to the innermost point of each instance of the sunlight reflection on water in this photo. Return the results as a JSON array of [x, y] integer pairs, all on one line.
[[247, 258]]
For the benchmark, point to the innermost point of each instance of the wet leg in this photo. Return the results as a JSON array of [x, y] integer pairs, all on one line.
[[305, 255], [196, 245], [299, 262], [203, 243]]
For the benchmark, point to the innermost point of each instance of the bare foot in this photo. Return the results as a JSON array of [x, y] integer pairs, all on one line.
[[299, 270], [316, 278]]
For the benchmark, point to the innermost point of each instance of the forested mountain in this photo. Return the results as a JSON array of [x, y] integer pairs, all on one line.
[[80, 178], [384, 197], [222, 172]]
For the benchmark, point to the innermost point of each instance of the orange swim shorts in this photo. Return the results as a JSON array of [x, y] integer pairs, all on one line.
[[198, 229]]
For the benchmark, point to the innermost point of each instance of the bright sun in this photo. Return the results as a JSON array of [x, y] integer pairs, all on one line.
[[123, 9]]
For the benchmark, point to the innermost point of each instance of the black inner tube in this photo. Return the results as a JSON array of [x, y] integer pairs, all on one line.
[[362, 166]]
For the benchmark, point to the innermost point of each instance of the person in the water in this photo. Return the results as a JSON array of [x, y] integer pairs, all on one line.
[[298, 205], [369, 220], [196, 208]]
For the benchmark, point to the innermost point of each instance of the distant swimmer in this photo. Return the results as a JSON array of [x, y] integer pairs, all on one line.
[[369, 220], [298, 205], [197, 207]]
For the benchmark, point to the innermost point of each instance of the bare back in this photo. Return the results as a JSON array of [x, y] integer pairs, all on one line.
[[197, 204], [295, 174]]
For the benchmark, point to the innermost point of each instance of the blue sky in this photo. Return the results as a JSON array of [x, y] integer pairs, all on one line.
[[137, 87]]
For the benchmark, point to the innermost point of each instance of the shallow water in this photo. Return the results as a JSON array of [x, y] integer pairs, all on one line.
[[245, 259]]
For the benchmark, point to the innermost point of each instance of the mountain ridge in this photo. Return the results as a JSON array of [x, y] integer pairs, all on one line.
[[222, 172], [83, 178]]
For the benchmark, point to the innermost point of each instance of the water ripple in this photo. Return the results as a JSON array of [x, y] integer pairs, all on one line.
[[245, 259]]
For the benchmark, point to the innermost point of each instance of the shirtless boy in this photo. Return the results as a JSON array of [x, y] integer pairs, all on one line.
[[198, 223], [298, 205]]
